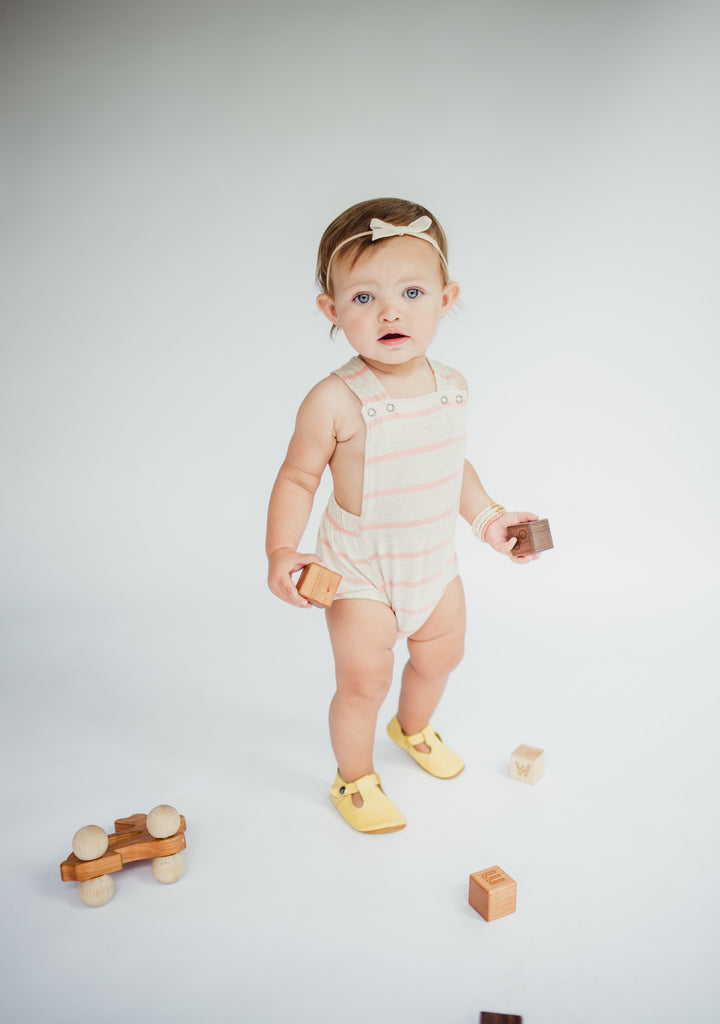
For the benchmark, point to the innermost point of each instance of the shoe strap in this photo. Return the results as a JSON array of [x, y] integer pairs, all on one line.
[[361, 785], [367, 782], [426, 735]]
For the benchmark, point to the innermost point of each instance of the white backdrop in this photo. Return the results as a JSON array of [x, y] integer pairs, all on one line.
[[166, 172]]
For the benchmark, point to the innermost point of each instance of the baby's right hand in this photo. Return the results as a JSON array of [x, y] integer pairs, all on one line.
[[282, 563]]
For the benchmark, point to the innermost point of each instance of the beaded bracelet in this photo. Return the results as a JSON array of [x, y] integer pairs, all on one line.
[[483, 533], [485, 519]]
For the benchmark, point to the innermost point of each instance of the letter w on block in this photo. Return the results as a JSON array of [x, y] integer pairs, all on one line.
[[527, 764]]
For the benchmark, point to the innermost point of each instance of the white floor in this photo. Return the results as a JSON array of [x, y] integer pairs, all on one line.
[[167, 171], [284, 913]]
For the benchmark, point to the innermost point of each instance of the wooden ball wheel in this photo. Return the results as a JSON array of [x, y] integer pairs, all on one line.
[[168, 869], [96, 892], [90, 842], [163, 821]]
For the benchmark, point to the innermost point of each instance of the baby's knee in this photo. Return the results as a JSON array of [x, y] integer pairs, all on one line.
[[363, 687], [452, 657], [439, 656], [457, 654]]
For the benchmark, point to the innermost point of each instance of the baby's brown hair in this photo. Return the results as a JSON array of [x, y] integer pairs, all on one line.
[[356, 220]]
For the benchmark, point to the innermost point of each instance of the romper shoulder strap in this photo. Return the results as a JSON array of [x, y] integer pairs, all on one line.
[[361, 380], [444, 376]]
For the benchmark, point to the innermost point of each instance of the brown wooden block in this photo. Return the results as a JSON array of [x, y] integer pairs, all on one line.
[[500, 1018], [531, 537], [493, 893], [131, 841], [318, 585], [527, 764]]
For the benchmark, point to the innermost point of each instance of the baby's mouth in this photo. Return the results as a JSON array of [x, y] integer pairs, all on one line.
[[393, 337]]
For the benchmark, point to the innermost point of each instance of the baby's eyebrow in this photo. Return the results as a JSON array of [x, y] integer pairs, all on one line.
[[368, 285]]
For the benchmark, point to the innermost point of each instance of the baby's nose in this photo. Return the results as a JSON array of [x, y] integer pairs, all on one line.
[[389, 313]]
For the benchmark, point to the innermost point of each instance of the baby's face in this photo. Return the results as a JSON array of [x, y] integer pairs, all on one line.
[[389, 304]]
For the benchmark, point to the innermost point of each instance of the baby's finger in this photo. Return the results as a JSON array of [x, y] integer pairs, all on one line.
[[523, 517], [292, 596], [303, 560]]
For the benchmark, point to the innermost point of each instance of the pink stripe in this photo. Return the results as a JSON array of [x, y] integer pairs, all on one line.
[[392, 556], [417, 451], [416, 611], [413, 554], [341, 529], [361, 582], [350, 597], [355, 561], [413, 415], [420, 583], [413, 489], [361, 373], [408, 525], [358, 373]]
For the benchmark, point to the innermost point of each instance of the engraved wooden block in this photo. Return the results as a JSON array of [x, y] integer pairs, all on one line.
[[527, 764], [531, 537], [500, 1018], [493, 893], [318, 585]]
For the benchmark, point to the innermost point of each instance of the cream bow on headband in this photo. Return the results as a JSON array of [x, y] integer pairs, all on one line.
[[381, 229]]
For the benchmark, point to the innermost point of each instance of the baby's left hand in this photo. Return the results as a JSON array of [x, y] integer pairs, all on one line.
[[497, 538]]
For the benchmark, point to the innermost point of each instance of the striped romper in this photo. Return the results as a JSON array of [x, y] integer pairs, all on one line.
[[400, 550]]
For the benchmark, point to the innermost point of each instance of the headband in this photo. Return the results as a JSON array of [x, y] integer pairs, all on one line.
[[381, 229]]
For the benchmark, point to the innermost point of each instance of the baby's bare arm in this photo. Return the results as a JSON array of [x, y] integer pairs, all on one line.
[[474, 498], [310, 449]]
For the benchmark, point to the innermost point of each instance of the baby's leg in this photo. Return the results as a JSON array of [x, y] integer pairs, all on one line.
[[435, 650], [362, 634]]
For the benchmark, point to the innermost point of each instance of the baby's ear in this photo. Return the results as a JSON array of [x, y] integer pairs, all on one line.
[[450, 294], [326, 306]]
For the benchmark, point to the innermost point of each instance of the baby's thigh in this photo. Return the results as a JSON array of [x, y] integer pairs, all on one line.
[[438, 646], [362, 634]]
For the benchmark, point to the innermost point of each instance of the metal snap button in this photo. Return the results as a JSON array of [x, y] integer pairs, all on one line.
[[444, 399], [390, 407], [371, 412], [341, 791], [458, 398]]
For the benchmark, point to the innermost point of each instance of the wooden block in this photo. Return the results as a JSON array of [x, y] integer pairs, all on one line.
[[527, 764], [493, 893], [318, 585], [500, 1018], [531, 537], [131, 841]]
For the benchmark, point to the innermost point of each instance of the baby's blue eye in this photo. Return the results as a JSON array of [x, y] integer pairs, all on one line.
[[363, 298], [413, 293]]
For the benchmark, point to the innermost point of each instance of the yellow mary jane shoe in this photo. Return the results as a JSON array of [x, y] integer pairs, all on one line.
[[442, 762], [377, 814]]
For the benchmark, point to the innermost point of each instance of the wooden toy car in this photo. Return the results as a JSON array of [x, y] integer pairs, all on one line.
[[159, 835]]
